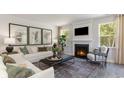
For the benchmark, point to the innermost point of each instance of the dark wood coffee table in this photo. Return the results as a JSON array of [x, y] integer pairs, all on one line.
[[65, 58]]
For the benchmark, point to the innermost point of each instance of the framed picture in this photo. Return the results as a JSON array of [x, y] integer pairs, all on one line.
[[47, 36], [19, 32], [35, 36]]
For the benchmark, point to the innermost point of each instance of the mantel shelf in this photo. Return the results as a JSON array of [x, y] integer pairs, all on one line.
[[81, 40]]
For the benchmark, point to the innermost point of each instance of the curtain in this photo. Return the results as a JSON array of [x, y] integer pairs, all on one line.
[[120, 40]]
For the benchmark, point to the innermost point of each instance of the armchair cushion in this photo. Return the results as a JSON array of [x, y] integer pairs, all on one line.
[[91, 57]]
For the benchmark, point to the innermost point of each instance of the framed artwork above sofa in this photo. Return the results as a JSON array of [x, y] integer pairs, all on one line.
[[35, 36], [47, 36], [28, 35], [19, 32]]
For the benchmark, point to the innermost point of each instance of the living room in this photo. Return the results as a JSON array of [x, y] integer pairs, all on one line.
[[36, 39], [61, 46]]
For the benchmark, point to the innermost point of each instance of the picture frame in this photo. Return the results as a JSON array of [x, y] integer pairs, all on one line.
[[47, 36], [35, 36], [28, 35], [19, 32]]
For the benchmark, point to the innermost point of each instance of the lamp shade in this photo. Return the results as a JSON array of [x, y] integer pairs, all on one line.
[[9, 41]]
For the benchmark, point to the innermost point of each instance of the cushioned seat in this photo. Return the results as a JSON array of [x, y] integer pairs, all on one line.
[[98, 56], [36, 57], [48, 73], [91, 56], [21, 60]]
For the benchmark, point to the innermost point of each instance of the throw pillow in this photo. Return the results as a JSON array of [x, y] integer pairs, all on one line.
[[41, 49], [24, 50], [34, 49], [49, 48], [29, 49], [7, 59], [18, 71]]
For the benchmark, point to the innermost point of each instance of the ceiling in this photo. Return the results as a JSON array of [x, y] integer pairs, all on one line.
[[57, 19]]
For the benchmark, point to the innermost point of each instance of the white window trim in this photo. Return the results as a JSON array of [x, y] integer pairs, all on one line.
[[99, 31]]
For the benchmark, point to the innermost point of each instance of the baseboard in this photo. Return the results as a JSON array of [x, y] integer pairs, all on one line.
[[110, 61]]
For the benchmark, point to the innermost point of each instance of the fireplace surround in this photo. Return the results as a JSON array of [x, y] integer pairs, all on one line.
[[81, 50]]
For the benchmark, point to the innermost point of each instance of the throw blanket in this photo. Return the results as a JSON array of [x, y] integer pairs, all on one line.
[[18, 72]]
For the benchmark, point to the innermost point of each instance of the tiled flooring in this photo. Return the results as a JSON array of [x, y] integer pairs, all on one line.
[[83, 69]]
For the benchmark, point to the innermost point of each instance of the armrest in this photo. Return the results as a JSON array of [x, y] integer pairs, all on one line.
[[103, 55], [95, 51], [49, 73], [91, 52]]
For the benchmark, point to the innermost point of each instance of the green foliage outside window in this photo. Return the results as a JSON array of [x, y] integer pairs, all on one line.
[[107, 34]]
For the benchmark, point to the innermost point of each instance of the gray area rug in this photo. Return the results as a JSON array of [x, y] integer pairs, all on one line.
[[74, 70], [82, 69]]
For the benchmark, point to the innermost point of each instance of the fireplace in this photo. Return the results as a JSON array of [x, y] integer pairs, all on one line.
[[81, 50]]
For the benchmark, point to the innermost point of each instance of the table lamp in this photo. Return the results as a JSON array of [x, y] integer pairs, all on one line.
[[9, 41]]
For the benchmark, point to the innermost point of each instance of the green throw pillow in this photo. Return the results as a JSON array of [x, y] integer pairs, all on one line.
[[18, 72], [24, 50]]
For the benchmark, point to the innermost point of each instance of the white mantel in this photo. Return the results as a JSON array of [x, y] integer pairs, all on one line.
[[82, 40]]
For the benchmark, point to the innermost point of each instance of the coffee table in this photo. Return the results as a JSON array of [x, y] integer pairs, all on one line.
[[65, 58]]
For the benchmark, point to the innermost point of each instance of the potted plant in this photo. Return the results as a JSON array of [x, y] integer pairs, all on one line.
[[62, 41], [55, 50]]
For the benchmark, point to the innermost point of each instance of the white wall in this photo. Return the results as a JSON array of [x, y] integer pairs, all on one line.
[[68, 49], [92, 38], [6, 19]]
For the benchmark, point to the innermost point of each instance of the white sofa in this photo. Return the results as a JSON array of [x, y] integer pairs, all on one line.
[[36, 57], [48, 73], [28, 59]]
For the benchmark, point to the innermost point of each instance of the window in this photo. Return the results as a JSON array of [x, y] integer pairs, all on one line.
[[107, 34], [64, 32]]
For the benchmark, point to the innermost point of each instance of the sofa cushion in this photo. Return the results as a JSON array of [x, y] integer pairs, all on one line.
[[34, 49], [17, 71], [24, 50], [48, 73], [36, 57], [29, 49], [20, 59], [3, 73]]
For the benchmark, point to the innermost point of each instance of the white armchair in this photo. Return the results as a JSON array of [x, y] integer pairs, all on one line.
[[99, 55]]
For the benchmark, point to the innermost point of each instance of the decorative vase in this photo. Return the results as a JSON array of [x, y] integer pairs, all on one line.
[[54, 54]]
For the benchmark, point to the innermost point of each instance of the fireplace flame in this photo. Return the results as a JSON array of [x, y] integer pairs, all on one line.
[[81, 53]]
